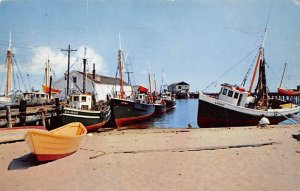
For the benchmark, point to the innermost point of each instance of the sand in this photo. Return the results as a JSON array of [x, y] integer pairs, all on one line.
[[244, 158]]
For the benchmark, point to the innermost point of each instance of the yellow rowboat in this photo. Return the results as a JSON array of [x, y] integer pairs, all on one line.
[[57, 143]]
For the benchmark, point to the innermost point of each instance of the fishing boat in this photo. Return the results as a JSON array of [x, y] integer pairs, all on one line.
[[7, 99], [169, 100], [126, 110], [235, 106], [286, 92], [160, 108], [82, 107], [48, 81], [55, 144]]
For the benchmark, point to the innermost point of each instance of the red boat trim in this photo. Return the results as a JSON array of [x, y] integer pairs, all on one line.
[[95, 126], [120, 122], [50, 157]]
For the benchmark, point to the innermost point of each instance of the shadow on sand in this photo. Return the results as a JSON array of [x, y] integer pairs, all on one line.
[[24, 162]]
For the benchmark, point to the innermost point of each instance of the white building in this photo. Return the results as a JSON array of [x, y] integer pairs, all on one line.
[[100, 85]]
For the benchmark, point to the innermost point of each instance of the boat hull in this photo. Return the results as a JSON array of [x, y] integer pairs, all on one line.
[[285, 92], [214, 113], [92, 120], [47, 89], [127, 112], [171, 104], [55, 144], [160, 109]]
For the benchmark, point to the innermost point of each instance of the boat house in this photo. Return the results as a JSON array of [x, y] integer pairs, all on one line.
[[96, 84], [181, 87]]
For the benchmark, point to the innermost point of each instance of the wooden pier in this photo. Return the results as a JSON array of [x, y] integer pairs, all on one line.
[[23, 114]]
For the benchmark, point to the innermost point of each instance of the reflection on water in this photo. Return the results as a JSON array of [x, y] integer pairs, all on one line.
[[184, 113]]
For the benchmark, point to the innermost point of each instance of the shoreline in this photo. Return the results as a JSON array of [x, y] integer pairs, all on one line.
[[242, 158]]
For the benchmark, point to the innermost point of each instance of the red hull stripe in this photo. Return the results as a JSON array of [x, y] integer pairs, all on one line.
[[121, 122], [50, 157], [95, 126]]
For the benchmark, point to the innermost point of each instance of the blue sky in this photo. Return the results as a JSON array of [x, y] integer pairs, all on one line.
[[197, 41]]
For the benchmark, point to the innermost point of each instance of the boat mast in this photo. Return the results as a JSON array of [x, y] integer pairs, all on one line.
[[155, 89], [282, 75], [9, 68], [84, 72], [150, 86], [260, 52], [121, 69], [47, 73]]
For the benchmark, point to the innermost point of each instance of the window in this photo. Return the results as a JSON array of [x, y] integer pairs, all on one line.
[[74, 79], [83, 98], [75, 98], [224, 91], [236, 95], [179, 87], [230, 93]]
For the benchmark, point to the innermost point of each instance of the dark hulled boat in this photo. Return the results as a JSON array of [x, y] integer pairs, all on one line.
[[169, 100], [160, 109], [81, 108], [127, 111], [236, 107]]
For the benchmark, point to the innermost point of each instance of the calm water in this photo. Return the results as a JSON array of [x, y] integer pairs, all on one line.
[[184, 113]]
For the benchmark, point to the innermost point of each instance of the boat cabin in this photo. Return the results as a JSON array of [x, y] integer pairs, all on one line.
[[35, 97], [80, 101], [234, 95], [142, 98]]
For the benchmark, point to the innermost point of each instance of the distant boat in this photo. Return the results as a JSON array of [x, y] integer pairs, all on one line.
[[236, 107], [55, 144], [46, 86], [160, 109], [169, 100], [127, 111], [286, 92], [83, 108]]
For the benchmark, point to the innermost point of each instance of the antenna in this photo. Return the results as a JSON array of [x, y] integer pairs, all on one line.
[[120, 41], [9, 45]]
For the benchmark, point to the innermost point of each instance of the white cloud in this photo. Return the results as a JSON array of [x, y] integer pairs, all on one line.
[[296, 2], [59, 61]]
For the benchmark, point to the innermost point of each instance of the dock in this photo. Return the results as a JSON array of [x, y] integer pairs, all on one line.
[[20, 115]]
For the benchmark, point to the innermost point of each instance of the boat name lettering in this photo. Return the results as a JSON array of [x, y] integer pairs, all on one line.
[[219, 103], [72, 112]]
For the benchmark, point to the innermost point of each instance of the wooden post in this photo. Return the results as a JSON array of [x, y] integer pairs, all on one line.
[[8, 116], [22, 112]]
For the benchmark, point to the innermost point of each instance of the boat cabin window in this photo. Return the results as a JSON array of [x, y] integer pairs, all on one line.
[[75, 98], [224, 91], [230, 93], [141, 96], [236, 95], [83, 98]]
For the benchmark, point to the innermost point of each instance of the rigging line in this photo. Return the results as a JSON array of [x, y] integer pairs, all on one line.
[[248, 72], [17, 65], [239, 62]]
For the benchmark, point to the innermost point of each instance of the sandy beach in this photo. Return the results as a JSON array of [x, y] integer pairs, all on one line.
[[246, 158]]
